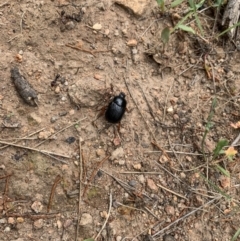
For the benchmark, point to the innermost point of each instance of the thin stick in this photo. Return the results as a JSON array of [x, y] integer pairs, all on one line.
[[57, 180], [109, 210], [130, 207], [165, 106], [95, 172], [153, 173], [177, 152], [163, 151], [61, 131], [166, 189], [33, 149], [21, 21], [185, 216], [2, 147], [80, 188]]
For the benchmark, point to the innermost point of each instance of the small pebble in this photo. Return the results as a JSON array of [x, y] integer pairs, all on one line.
[[7, 229], [132, 183], [54, 119], [57, 90], [70, 25], [70, 140], [121, 162], [38, 223], [141, 179], [11, 220]]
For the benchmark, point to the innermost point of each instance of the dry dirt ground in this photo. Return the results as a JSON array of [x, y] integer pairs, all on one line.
[[151, 175]]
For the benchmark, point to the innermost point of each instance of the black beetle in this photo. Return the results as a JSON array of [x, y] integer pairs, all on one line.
[[116, 109]]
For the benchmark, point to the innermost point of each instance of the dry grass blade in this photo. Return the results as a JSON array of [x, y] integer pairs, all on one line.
[[109, 210], [80, 189], [184, 217], [175, 193]]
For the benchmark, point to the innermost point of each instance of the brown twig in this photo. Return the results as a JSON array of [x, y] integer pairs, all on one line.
[[57, 180], [184, 217], [80, 188], [33, 149], [109, 210], [161, 149], [92, 52], [63, 129], [177, 194], [33, 216], [17, 140], [94, 173]]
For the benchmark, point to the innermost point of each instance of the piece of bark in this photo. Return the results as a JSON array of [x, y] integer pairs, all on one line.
[[25, 90], [231, 16]]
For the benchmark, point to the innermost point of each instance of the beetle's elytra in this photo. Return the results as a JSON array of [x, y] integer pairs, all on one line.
[[116, 108]]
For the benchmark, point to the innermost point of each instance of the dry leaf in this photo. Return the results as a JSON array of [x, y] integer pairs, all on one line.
[[225, 182]]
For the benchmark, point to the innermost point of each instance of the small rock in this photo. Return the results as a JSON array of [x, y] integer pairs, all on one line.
[[59, 224], [36, 118], [124, 32], [106, 32], [182, 175], [170, 109], [104, 214], [86, 219], [70, 25], [168, 237], [57, 90], [70, 140], [37, 207], [141, 179], [132, 43], [97, 26], [7, 229], [132, 183], [100, 152], [38, 223], [138, 7], [151, 184], [54, 119], [163, 159], [121, 162], [134, 51], [137, 166], [20, 219], [101, 6], [3, 220], [72, 112], [170, 210], [67, 223], [11, 220], [97, 77], [116, 154], [118, 238], [116, 32]]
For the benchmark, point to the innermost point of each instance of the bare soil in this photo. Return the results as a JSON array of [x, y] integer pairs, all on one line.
[[153, 168]]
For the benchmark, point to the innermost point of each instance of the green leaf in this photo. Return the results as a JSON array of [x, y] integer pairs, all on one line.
[[192, 5], [199, 23], [176, 3], [223, 171], [236, 235], [161, 4], [165, 35], [200, 4], [222, 143], [186, 28]]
